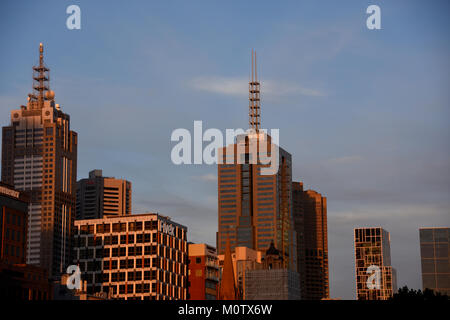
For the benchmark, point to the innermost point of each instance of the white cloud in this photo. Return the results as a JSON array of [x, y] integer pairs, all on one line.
[[206, 177], [235, 86]]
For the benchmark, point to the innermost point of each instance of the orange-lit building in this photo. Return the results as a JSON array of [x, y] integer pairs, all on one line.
[[203, 272], [99, 196], [135, 257], [39, 156], [255, 209], [375, 279], [243, 259], [310, 220]]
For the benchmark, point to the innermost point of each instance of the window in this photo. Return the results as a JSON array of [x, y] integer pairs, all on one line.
[[198, 260]]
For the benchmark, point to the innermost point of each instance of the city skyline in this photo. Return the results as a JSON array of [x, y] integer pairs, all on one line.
[[399, 116]]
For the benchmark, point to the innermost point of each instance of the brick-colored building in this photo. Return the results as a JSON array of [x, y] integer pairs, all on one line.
[[310, 220], [203, 272], [136, 257]]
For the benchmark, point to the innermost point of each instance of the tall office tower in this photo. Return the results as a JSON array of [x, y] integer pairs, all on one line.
[[203, 272], [100, 196], [375, 277], [435, 256], [255, 209], [39, 156], [135, 257], [310, 220]]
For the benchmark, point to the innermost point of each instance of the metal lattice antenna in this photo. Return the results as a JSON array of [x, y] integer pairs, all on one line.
[[254, 97], [40, 79]]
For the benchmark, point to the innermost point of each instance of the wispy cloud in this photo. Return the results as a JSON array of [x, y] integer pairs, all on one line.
[[206, 177], [238, 86]]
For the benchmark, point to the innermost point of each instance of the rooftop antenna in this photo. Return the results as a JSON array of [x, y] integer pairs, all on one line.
[[254, 97], [41, 87]]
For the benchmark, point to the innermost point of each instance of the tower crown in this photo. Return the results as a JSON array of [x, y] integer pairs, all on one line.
[[41, 83]]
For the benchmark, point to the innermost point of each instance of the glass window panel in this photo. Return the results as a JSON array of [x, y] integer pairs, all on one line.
[[443, 281], [427, 251], [428, 266], [429, 281], [442, 266], [442, 250], [441, 235], [426, 235]]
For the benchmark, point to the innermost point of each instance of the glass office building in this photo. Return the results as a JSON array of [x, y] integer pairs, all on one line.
[[435, 253]]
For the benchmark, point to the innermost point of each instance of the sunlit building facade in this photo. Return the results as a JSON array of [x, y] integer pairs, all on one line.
[[136, 257], [375, 277], [99, 196], [39, 156], [203, 272]]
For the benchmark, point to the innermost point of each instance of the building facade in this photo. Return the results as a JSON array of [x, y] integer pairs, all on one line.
[[13, 225], [136, 257], [243, 259], [18, 281], [39, 156], [270, 280], [310, 221], [98, 196], [203, 272], [435, 257], [375, 277], [255, 209]]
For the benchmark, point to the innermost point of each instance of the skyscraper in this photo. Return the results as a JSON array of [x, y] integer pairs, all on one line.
[[98, 196], [255, 209], [310, 220], [435, 257], [375, 277], [39, 156]]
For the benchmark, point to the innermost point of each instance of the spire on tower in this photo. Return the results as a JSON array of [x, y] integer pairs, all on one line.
[[254, 97], [41, 78]]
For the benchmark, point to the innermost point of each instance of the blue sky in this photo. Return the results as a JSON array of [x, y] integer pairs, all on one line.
[[364, 113]]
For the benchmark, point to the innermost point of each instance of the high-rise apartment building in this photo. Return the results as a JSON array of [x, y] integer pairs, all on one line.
[[39, 156], [255, 209], [99, 196], [435, 257], [375, 277], [310, 220], [135, 257], [203, 272]]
